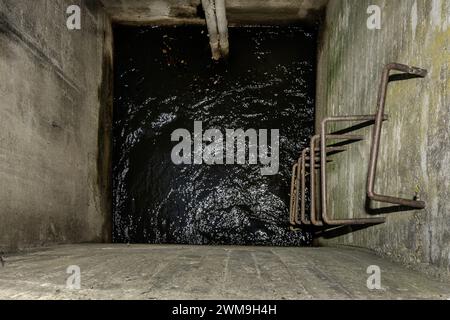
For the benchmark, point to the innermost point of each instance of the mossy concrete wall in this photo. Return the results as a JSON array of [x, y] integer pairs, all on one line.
[[54, 92], [415, 152]]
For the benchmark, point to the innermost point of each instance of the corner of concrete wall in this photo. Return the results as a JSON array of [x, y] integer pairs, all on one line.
[[55, 102], [415, 153], [105, 122]]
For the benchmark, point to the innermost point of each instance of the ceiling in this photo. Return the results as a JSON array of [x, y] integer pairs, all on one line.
[[239, 12]]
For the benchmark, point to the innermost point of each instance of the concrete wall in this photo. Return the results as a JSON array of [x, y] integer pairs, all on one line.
[[153, 11], [415, 151], [53, 93], [238, 11]]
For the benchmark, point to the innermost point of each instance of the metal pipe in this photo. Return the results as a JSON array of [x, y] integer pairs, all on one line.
[[333, 149], [376, 137], [317, 160], [314, 218], [312, 215], [293, 198], [303, 188], [301, 185], [298, 190], [344, 137], [323, 156]]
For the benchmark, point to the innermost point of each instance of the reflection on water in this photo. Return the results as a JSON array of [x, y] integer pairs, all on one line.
[[165, 80]]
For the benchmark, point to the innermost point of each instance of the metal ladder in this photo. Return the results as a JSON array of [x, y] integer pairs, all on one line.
[[316, 157]]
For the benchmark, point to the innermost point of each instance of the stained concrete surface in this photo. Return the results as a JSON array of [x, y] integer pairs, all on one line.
[[51, 95], [238, 11], [207, 272]]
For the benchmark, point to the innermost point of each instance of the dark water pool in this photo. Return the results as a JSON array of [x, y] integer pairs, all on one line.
[[166, 80]]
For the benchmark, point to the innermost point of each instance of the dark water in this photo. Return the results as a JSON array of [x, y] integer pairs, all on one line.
[[165, 80]]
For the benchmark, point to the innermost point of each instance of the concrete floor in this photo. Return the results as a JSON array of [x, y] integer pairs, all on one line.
[[189, 272]]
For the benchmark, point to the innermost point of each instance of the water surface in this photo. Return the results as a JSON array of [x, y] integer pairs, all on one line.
[[165, 80]]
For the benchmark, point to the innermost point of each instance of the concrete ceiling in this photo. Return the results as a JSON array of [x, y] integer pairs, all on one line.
[[239, 12]]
